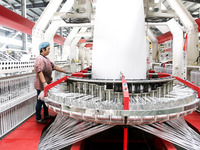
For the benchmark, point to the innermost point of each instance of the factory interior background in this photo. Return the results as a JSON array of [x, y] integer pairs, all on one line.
[[128, 77]]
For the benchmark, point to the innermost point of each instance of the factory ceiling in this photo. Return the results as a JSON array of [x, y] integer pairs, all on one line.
[[36, 7]]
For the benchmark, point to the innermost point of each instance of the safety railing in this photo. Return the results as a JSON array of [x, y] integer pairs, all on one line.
[[167, 69], [11, 118], [195, 77], [17, 101], [16, 66]]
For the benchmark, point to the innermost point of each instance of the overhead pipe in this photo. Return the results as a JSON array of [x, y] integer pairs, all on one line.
[[191, 28]]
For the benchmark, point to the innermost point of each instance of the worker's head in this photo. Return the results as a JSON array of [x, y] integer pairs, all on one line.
[[44, 48]]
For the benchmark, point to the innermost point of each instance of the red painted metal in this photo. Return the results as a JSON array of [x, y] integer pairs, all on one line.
[[161, 144], [89, 45], [164, 37], [165, 64], [168, 50], [168, 145], [185, 43], [87, 68], [193, 121], [78, 74], [193, 86], [26, 136], [84, 71], [14, 21], [78, 146], [82, 41], [126, 107], [125, 93], [158, 74], [59, 39], [198, 22], [49, 86], [163, 75], [125, 138], [151, 71]]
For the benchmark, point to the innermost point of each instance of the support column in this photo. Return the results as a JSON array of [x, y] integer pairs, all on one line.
[[148, 55], [88, 56], [38, 29], [82, 55], [61, 47], [72, 58], [73, 54], [24, 35], [178, 53], [154, 44], [67, 44], [191, 28]]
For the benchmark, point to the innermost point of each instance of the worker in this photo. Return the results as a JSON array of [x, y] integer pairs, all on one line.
[[43, 68]]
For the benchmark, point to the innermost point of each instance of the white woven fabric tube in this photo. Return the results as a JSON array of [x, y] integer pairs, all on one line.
[[119, 40]]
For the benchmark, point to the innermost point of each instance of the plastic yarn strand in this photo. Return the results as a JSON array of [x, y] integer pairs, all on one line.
[[65, 131], [176, 131]]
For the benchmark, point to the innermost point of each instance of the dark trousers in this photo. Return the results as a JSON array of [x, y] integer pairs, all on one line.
[[39, 107]]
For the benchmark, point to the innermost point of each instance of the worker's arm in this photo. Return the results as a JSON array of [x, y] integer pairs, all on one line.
[[42, 79], [61, 70]]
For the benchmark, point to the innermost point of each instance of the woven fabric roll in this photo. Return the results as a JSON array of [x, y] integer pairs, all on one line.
[[119, 40]]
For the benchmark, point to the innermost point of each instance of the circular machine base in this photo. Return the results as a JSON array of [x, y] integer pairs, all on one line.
[[101, 101]]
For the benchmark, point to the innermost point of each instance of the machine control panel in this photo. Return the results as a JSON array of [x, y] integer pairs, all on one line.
[[125, 87]]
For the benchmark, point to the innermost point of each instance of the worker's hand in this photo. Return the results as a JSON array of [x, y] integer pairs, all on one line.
[[67, 72], [45, 84], [41, 96]]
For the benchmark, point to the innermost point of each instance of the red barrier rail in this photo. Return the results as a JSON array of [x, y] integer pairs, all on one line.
[[159, 75], [49, 86], [81, 74], [193, 86]]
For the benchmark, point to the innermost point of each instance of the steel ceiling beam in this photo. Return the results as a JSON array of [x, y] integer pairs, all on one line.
[[35, 5], [14, 21], [195, 1], [10, 4], [34, 12], [15, 9]]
